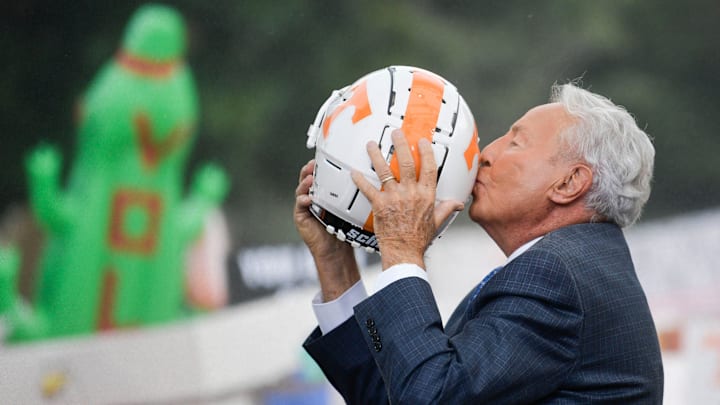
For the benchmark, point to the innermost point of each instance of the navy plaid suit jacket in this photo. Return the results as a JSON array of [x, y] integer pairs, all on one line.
[[566, 322]]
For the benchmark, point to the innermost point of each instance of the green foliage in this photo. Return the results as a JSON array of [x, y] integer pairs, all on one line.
[[263, 68]]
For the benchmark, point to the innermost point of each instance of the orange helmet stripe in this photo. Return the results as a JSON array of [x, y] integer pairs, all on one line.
[[420, 121], [472, 149], [369, 225], [359, 100], [421, 115]]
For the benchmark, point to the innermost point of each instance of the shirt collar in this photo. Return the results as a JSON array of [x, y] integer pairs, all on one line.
[[522, 249]]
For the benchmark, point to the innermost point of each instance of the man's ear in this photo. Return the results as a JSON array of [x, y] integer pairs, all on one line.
[[573, 186]]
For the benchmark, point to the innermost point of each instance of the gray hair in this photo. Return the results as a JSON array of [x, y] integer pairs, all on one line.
[[620, 154]]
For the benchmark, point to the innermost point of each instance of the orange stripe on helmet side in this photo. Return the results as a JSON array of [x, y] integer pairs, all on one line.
[[472, 149], [359, 100]]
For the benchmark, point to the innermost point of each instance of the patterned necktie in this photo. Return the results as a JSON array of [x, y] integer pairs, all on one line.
[[479, 287]]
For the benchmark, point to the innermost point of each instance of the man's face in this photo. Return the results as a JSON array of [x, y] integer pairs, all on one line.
[[518, 169]]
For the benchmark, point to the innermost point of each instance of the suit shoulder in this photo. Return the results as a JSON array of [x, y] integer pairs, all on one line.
[[541, 273], [583, 235], [586, 243]]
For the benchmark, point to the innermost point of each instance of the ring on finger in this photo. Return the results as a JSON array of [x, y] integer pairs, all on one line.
[[386, 179]]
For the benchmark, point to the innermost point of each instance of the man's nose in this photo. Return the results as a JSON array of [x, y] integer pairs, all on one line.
[[487, 154], [484, 162]]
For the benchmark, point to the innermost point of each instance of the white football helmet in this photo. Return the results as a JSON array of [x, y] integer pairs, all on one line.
[[421, 104]]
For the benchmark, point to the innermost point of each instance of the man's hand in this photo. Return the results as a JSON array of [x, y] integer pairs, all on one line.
[[334, 259], [320, 242], [405, 215]]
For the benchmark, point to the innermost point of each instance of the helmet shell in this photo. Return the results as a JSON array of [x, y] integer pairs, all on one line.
[[421, 104]]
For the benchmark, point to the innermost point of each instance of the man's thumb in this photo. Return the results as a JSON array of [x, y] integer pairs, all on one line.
[[444, 209]]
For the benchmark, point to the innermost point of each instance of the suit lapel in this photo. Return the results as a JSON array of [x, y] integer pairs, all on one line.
[[458, 318], [461, 314]]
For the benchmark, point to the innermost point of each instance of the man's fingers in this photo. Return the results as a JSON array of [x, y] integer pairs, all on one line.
[[428, 169], [307, 169], [304, 185], [378, 161], [303, 201], [403, 156], [368, 190], [444, 209]]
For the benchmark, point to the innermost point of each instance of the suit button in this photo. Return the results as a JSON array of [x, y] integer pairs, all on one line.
[[378, 346], [370, 323], [375, 338], [372, 330]]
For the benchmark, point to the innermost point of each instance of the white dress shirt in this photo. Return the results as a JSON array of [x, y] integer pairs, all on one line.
[[333, 313]]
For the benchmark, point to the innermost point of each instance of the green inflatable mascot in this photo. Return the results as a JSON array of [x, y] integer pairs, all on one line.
[[118, 234]]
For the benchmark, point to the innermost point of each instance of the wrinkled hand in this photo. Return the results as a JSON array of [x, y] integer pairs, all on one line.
[[310, 229], [334, 259], [405, 215]]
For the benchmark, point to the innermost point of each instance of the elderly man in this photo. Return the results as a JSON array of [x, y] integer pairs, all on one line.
[[563, 321]]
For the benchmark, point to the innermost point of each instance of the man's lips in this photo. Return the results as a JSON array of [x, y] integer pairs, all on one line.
[[476, 186]]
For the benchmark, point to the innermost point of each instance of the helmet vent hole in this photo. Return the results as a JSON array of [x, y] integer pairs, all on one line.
[[333, 164]]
